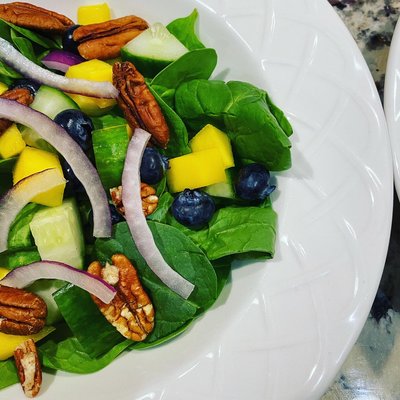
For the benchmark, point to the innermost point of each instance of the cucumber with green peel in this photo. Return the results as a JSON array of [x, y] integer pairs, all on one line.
[[153, 50], [58, 234], [49, 101], [223, 189], [109, 147]]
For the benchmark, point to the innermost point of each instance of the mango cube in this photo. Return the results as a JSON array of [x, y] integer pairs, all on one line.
[[3, 272], [33, 160], [94, 14], [11, 142], [92, 70], [210, 137], [195, 170]]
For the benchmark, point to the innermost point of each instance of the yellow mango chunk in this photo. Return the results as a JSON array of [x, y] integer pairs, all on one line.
[[3, 87], [8, 343], [33, 160], [195, 170], [11, 142], [3, 272], [92, 70], [93, 14], [210, 137]]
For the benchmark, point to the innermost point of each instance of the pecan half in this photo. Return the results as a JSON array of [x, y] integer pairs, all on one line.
[[140, 108], [148, 194], [21, 312], [21, 95], [131, 311], [33, 17], [28, 367], [105, 39]]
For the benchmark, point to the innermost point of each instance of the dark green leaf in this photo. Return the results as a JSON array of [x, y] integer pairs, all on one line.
[[24, 46], [184, 29], [164, 203], [8, 373], [19, 235], [8, 72], [35, 37], [196, 64], [13, 259], [245, 232], [77, 308], [69, 356]]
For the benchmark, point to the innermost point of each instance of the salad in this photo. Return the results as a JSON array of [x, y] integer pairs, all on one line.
[[131, 181]]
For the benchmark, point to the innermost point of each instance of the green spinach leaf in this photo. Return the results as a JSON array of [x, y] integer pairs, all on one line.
[[244, 232], [68, 355], [8, 373], [17, 258], [184, 29], [77, 308]]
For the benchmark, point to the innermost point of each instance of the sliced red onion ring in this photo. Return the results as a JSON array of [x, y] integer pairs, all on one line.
[[136, 220], [61, 60], [73, 154], [29, 69], [24, 276], [21, 194]]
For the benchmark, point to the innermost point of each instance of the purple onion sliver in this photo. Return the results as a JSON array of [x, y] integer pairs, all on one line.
[[61, 60], [24, 276], [136, 220]]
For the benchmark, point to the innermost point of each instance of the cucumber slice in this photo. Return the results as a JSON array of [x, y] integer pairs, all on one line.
[[223, 189], [58, 234], [49, 101], [153, 50]]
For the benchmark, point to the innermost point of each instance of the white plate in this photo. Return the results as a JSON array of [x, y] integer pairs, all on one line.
[[392, 102], [283, 328]]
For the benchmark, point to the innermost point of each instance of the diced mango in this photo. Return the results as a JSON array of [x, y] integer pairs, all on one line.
[[92, 70], [93, 14], [3, 272], [3, 87], [195, 170], [11, 142], [33, 160], [210, 137], [8, 343]]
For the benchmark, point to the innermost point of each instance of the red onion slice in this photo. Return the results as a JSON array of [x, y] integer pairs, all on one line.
[[61, 60], [21, 194], [136, 220], [29, 69], [74, 155], [24, 276]]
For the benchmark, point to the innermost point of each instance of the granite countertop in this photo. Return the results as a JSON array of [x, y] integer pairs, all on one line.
[[372, 370]]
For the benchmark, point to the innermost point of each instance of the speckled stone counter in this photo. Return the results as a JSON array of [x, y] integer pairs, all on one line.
[[372, 370]]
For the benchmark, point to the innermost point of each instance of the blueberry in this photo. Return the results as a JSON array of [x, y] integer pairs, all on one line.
[[68, 42], [193, 208], [78, 125], [25, 83], [152, 167], [252, 183]]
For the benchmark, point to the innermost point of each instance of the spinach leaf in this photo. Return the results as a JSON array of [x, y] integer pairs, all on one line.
[[19, 235], [8, 72], [68, 355], [7, 165], [178, 142], [24, 46], [17, 258], [179, 252], [164, 203], [34, 37], [244, 232], [243, 112], [77, 308], [196, 64], [8, 373], [184, 29]]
